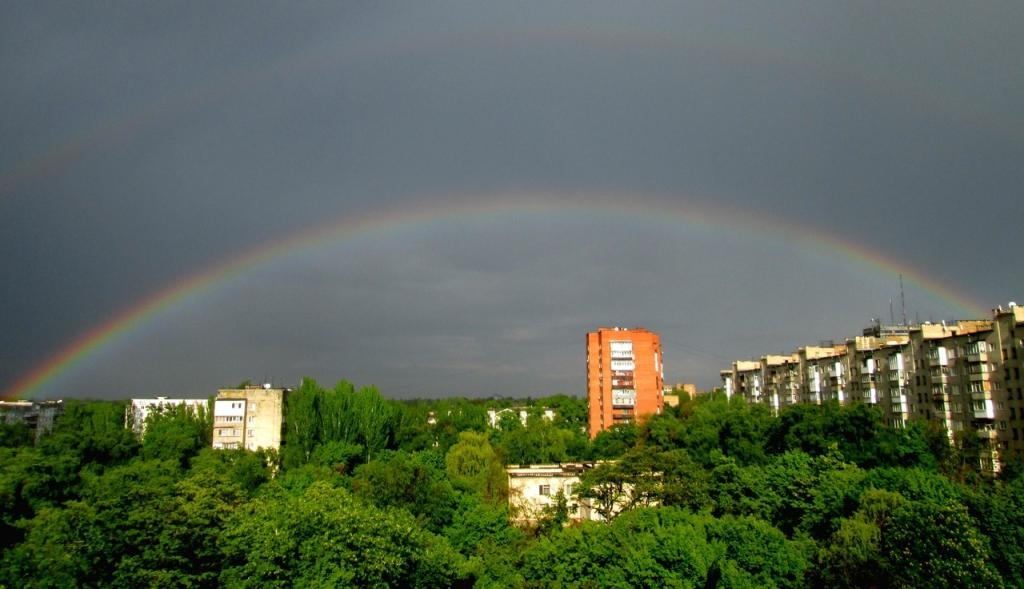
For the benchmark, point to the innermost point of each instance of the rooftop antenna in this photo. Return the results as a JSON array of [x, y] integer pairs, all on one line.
[[892, 317], [903, 301]]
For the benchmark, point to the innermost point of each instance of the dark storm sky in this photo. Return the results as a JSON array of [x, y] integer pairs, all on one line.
[[145, 142]]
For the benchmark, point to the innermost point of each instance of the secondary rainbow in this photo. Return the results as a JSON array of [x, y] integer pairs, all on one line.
[[317, 59], [194, 286]]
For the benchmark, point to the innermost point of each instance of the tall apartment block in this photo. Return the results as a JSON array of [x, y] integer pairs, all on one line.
[[625, 376], [250, 418], [966, 375]]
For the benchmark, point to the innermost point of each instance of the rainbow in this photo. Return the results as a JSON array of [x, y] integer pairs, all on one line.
[[193, 287]]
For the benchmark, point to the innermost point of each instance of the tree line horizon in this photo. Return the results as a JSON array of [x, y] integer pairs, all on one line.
[[365, 492]]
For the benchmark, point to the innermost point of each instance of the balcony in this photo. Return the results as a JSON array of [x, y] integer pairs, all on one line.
[[980, 376], [977, 356], [986, 412], [938, 357], [988, 433]]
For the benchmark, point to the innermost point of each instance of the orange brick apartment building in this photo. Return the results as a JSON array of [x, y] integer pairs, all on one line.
[[624, 376]]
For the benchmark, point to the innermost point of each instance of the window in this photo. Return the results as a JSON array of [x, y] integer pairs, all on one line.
[[545, 490]]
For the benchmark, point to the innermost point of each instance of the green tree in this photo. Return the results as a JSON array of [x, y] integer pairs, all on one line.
[[611, 488], [852, 556], [15, 435], [539, 442], [645, 548], [479, 527], [187, 554], [473, 466], [109, 538], [414, 482], [615, 441], [327, 538], [998, 507], [176, 433], [926, 541], [756, 554]]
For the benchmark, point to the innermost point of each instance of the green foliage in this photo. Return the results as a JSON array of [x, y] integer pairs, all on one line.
[[453, 416], [111, 534], [666, 547], [998, 507], [712, 424], [473, 466], [248, 470], [414, 482], [926, 541], [852, 555], [15, 435], [338, 455], [479, 527], [647, 548], [756, 554], [57, 550], [615, 441], [327, 538], [176, 433], [613, 488], [195, 519], [92, 433], [342, 415], [539, 442], [714, 493]]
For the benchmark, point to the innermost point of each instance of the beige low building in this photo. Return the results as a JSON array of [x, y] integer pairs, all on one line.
[[534, 488], [251, 418]]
